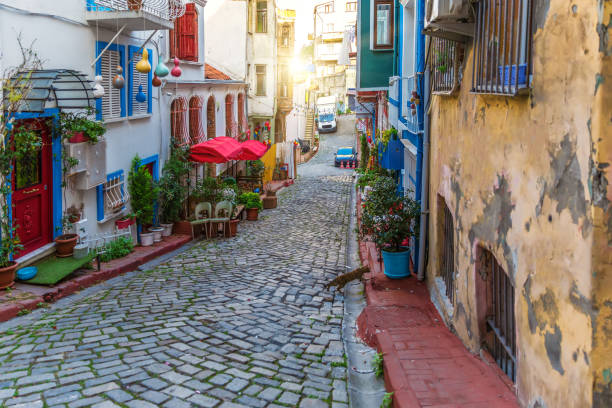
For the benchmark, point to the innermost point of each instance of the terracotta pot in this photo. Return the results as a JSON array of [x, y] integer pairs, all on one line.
[[269, 202], [7, 275], [124, 223], [64, 245], [134, 4], [182, 227], [271, 193], [252, 214], [233, 227], [78, 137]]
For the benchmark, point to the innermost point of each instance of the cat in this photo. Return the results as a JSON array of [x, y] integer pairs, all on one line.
[[345, 278]]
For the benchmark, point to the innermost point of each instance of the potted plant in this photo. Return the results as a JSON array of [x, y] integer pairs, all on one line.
[[125, 221], [269, 200], [77, 128], [388, 219], [74, 214], [143, 193], [65, 243], [252, 203]]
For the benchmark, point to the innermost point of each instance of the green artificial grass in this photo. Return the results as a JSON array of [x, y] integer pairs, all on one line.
[[53, 270]]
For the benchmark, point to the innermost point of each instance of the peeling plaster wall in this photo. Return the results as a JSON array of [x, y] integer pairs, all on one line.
[[526, 177]]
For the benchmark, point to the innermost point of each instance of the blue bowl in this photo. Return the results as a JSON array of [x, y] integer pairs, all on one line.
[[27, 273]]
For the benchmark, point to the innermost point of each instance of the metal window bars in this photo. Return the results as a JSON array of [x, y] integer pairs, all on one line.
[[448, 254], [115, 196], [165, 9], [502, 47], [445, 61]]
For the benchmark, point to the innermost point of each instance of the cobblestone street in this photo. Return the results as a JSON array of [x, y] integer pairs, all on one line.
[[229, 323]]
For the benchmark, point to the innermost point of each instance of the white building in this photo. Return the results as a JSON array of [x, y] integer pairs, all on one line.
[[70, 35]]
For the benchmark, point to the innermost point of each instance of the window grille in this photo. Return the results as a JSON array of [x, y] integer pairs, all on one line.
[[500, 340], [111, 101], [262, 17], [502, 47], [178, 121], [445, 61], [139, 78], [196, 130], [115, 195], [448, 253]]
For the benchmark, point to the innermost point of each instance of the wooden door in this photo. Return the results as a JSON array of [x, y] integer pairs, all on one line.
[[31, 199]]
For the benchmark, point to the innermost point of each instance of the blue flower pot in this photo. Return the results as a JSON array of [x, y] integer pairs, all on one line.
[[397, 264]]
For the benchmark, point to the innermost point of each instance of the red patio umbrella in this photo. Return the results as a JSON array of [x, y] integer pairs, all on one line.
[[217, 150], [250, 150]]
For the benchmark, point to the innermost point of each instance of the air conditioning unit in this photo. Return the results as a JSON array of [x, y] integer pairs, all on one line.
[[95, 174], [454, 16]]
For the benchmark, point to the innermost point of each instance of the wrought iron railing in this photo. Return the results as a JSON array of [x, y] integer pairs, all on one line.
[[165, 9], [412, 96], [445, 60]]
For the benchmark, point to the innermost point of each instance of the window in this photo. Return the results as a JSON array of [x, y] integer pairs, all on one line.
[[351, 6], [502, 47], [178, 121], [285, 34], [136, 79], [448, 249], [328, 7], [112, 104], [112, 196], [211, 123], [184, 37], [196, 130], [383, 24], [445, 60], [260, 80], [241, 116], [262, 17], [284, 81], [329, 28], [231, 128]]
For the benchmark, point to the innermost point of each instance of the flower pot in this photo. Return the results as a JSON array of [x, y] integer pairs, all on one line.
[[134, 5], [80, 251], [269, 202], [157, 233], [124, 223], [146, 239], [64, 245], [182, 227], [271, 193], [78, 137], [167, 229], [397, 264], [233, 227], [252, 214], [7, 275]]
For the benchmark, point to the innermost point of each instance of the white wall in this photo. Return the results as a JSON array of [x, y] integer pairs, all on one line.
[[225, 25], [261, 49]]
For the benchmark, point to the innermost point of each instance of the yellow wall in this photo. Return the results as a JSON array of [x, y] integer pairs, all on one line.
[[524, 177], [269, 161]]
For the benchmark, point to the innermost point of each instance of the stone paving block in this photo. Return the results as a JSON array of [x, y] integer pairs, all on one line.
[[119, 395], [313, 403], [154, 396], [176, 403], [269, 394], [154, 383], [178, 391], [105, 404], [203, 401]]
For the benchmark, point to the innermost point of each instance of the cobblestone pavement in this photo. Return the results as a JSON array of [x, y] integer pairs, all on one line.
[[228, 323]]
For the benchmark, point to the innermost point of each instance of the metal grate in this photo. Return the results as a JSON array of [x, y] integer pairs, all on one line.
[[115, 196], [501, 321], [445, 60], [502, 47], [448, 255]]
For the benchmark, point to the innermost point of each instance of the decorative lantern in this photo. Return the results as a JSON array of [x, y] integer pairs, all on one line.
[[143, 65], [176, 71], [156, 82], [140, 96], [98, 89], [118, 80], [161, 70]]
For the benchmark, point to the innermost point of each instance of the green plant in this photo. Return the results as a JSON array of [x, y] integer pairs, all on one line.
[[208, 190], [70, 123], [256, 167], [387, 135], [143, 192], [250, 200], [387, 401], [365, 151], [377, 364], [172, 188], [388, 218], [118, 248], [23, 312]]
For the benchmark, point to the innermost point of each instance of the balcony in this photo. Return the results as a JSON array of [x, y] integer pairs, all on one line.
[[400, 104], [135, 15]]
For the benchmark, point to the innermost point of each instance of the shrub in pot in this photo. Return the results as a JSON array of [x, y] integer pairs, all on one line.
[[143, 193], [173, 189], [252, 203], [77, 128], [388, 219], [269, 200]]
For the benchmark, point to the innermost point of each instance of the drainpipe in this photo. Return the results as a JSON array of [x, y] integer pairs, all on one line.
[[425, 180]]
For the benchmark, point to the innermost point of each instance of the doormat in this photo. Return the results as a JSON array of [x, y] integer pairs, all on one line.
[[53, 270]]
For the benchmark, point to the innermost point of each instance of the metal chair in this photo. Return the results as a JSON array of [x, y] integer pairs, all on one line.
[[200, 218], [223, 212]]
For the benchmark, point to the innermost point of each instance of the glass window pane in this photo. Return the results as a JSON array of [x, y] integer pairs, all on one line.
[[383, 13], [28, 169]]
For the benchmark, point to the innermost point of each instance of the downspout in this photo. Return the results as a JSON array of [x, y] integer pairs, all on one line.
[[425, 181]]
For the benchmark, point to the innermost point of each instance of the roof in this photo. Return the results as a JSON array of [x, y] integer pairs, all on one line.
[[211, 72]]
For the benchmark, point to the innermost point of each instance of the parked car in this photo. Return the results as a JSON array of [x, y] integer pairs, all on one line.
[[346, 155]]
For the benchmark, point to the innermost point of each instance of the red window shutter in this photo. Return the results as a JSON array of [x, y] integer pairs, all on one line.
[[188, 34]]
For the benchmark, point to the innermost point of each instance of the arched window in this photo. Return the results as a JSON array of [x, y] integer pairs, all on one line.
[[196, 130], [242, 120], [211, 128], [178, 121], [229, 117]]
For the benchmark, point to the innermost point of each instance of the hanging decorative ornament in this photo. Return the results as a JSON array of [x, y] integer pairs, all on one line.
[[143, 65], [156, 82], [140, 96], [176, 71], [98, 89], [161, 70], [118, 80], [267, 125]]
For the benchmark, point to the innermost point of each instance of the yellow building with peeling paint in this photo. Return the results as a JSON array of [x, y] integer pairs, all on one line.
[[520, 214]]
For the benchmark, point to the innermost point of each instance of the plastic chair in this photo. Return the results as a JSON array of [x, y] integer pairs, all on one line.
[[223, 212], [201, 219]]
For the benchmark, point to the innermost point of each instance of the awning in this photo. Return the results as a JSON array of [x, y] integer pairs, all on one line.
[[56, 88], [217, 150], [250, 150]]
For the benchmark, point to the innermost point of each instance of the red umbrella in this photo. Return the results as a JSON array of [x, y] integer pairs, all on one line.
[[250, 150], [217, 150]]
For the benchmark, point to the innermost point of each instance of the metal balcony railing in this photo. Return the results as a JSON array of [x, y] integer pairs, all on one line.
[[163, 9], [408, 109]]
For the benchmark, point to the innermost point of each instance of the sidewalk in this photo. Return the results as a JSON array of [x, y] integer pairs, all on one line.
[[425, 365]]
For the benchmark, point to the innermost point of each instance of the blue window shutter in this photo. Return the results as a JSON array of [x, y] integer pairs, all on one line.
[[150, 83], [100, 201], [130, 80], [99, 47], [123, 65]]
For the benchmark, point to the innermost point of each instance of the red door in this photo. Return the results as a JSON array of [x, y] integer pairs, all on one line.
[[31, 199]]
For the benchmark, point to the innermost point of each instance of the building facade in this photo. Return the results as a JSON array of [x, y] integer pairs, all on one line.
[[285, 45]]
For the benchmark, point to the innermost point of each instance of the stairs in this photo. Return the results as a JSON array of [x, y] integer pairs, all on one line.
[[310, 127]]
